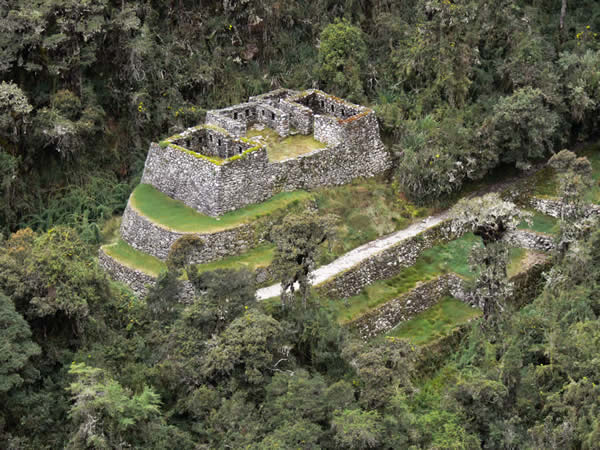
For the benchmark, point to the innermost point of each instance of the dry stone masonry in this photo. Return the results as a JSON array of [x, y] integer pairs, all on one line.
[[213, 168]]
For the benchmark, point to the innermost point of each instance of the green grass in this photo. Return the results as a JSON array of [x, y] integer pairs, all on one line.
[[279, 148], [175, 215], [541, 223], [253, 259], [433, 262], [592, 153], [366, 209], [444, 258], [546, 184], [121, 251], [130, 257], [436, 322]]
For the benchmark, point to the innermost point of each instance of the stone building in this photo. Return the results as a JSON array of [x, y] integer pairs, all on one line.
[[215, 168]]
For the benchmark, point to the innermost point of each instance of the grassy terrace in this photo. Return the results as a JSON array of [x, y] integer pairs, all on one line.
[[279, 148], [436, 322], [175, 215], [443, 258], [541, 223], [253, 259], [130, 257]]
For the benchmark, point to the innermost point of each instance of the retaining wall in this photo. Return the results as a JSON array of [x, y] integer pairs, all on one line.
[[527, 285], [390, 314], [385, 264], [140, 282], [555, 207], [153, 239]]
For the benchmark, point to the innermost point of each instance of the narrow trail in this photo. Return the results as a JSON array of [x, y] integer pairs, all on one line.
[[369, 249]]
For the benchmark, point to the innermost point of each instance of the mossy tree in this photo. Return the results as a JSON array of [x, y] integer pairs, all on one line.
[[343, 59], [490, 218], [298, 239]]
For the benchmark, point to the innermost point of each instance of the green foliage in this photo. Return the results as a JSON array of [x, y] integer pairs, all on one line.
[[224, 295], [343, 59], [357, 429], [298, 239], [105, 413], [181, 251], [522, 127], [477, 82], [248, 351], [435, 159], [17, 347], [50, 278]]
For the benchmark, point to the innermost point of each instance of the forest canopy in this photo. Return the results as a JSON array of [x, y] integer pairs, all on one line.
[[460, 87]]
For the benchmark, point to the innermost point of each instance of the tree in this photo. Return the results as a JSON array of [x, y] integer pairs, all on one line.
[[490, 218], [106, 414], [14, 112], [248, 351], [581, 86], [343, 59], [51, 280], [357, 429], [16, 346], [575, 175], [436, 158], [224, 295], [522, 127], [298, 239], [384, 368]]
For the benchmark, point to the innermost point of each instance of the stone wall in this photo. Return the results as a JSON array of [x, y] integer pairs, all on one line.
[[328, 130], [137, 280], [140, 282], [301, 117], [554, 207], [210, 141], [385, 264], [273, 97], [387, 316], [324, 104], [237, 128], [184, 177], [153, 239], [527, 285], [273, 118], [530, 239], [215, 187]]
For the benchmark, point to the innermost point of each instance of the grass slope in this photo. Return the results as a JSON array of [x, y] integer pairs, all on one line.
[[130, 257], [436, 322], [438, 260], [279, 148], [258, 257], [121, 251], [541, 223], [175, 215]]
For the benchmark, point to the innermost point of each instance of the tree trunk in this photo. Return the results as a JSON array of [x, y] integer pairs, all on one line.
[[563, 13]]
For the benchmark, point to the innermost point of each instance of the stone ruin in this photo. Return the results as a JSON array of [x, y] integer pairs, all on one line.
[[214, 168]]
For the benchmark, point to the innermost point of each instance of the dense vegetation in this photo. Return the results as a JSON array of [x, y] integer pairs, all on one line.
[[461, 87]]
